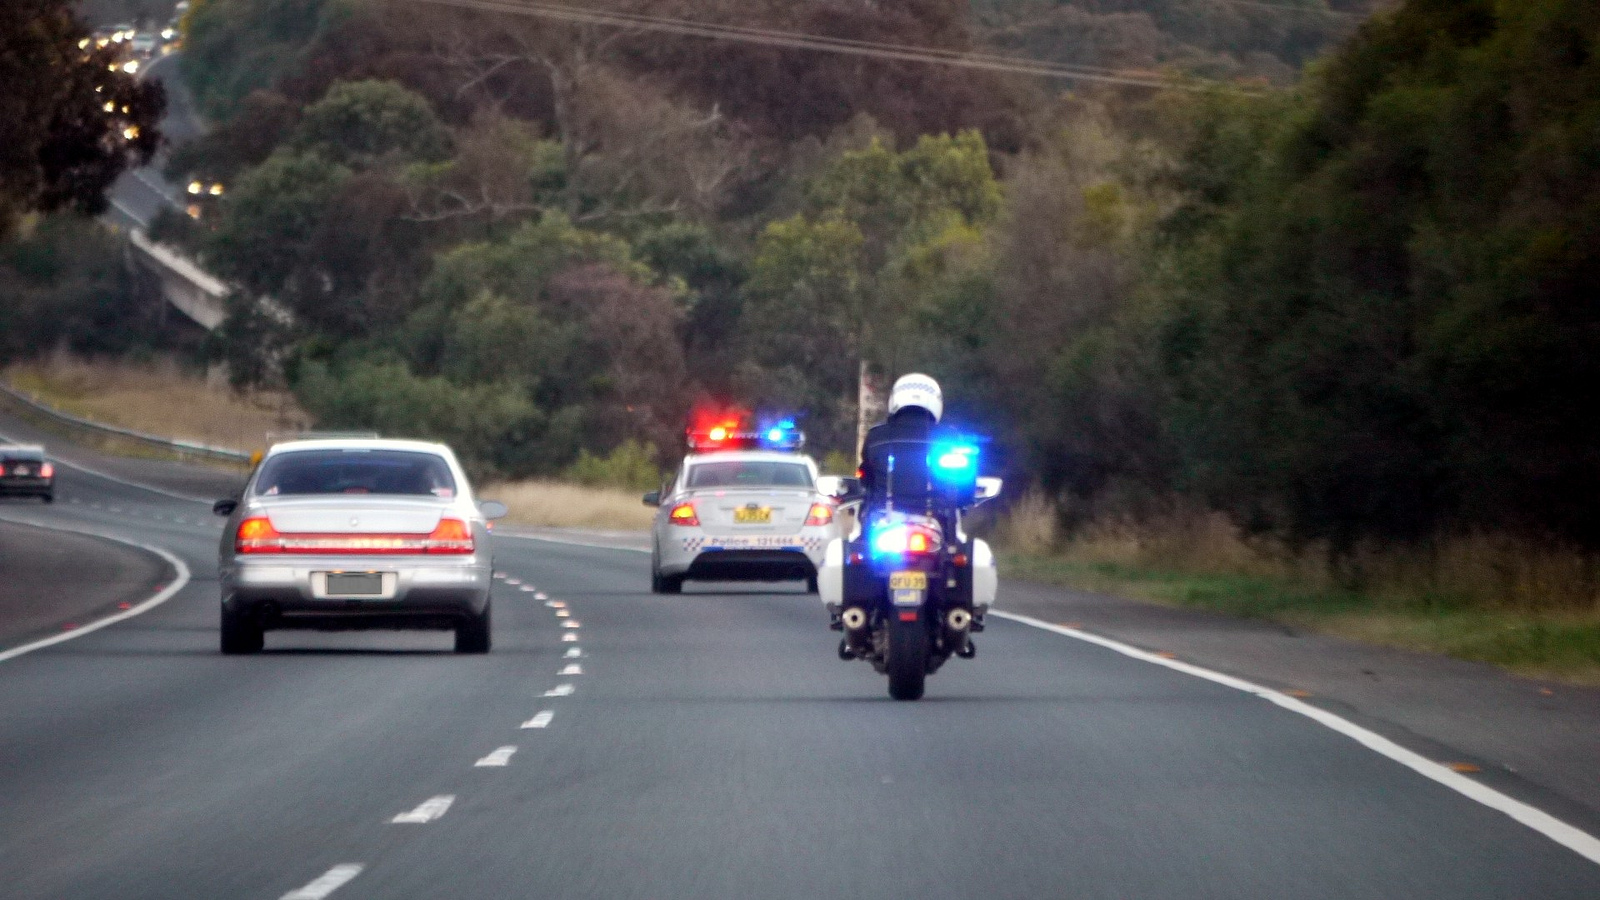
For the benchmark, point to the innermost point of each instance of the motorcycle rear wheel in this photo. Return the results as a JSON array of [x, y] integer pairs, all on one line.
[[907, 659]]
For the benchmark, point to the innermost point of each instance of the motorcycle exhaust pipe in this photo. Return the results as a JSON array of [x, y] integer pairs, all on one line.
[[854, 618], [958, 619]]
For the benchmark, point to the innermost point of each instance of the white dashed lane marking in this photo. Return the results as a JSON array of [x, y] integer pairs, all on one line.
[[560, 690], [563, 613], [430, 809], [540, 719], [513, 581], [499, 757], [330, 881], [569, 638], [572, 623], [540, 595], [573, 652], [571, 669], [553, 604]]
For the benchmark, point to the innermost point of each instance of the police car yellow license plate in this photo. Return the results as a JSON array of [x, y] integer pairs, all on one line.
[[753, 515]]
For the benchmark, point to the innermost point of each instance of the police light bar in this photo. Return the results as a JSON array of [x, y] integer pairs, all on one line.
[[779, 436]]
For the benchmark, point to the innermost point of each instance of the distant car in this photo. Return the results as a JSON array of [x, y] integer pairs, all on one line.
[[26, 472], [741, 515], [366, 533]]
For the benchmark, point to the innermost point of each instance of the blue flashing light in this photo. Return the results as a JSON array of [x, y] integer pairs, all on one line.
[[890, 541], [954, 462], [775, 434]]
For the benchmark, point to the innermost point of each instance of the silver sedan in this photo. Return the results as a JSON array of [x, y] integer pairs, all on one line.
[[742, 515], [355, 534]]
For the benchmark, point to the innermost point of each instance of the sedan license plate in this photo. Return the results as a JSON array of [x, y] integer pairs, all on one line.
[[355, 584], [753, 515]]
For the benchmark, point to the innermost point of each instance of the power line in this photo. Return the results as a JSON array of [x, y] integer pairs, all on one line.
[[845, 46]]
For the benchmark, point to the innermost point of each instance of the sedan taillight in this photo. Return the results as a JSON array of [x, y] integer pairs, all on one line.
[[47, 471], [683, 514], [821, 514], [450, 537]]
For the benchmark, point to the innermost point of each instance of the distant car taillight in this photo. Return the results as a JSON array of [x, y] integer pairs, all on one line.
[[683, 514], [449, 537], [47, 471], [821, 514]]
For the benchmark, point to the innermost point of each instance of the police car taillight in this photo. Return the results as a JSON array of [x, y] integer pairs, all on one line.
[[683, 514], [821, 514]]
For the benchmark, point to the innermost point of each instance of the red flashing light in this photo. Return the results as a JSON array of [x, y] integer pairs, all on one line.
[[683, 514], [821, 514], [917, 542], [718, 434]]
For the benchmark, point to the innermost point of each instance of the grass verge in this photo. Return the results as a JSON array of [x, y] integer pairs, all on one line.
[[555, 504], [159, 398], [1491, 623]]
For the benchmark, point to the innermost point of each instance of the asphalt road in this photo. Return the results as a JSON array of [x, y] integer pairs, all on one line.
[[709, 745], [140, 194]]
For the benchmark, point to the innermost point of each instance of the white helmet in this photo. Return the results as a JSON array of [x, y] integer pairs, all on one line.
[[919, 391]]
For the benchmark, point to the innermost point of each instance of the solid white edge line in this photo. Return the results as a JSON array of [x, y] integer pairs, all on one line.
[[326, 883], [112, 478], [179, 581], [1575, 839]]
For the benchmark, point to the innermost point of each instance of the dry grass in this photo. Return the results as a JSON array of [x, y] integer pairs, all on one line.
[[1530, 608], [160, 399], [554, 504]]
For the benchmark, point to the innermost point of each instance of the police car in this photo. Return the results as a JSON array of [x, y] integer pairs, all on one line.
[[745, 505]]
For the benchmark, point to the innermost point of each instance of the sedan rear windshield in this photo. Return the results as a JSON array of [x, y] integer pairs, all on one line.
[[746, 473], [355, 472]]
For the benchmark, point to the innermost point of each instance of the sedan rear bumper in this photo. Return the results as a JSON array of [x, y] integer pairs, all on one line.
[[423, 593]]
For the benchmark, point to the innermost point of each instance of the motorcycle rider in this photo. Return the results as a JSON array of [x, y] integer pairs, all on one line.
[[894, 456]]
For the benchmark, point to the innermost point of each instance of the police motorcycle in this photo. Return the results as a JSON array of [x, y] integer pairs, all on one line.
[[909, 588]]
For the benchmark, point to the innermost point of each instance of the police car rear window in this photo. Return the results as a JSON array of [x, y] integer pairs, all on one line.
[[748, 473]]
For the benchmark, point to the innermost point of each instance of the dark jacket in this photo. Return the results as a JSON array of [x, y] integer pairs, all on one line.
[[905, 439]]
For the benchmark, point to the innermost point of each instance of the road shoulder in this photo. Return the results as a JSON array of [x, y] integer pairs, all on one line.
[[52, 579]]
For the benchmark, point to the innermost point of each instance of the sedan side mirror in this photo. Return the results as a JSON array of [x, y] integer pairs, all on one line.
[[493, 509], [225, 507], [652, 499], [828, 485], [850, 490], [988, 488]]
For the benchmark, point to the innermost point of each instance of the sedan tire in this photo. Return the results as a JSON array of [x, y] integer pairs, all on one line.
[[241, 635], [472, 635]]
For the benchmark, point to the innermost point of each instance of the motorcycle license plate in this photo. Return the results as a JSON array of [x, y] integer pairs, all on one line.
[[753, 515], [908, 588]]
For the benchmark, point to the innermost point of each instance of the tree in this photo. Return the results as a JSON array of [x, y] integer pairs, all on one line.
[[71, 117], [363, 123]]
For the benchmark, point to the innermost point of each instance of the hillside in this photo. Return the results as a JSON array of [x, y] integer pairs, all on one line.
[[1216, 38]]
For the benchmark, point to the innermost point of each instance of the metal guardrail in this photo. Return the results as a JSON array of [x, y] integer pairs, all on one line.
[[181, 448]]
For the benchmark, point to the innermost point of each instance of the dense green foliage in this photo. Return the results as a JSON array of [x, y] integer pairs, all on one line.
[[63, 285], [1357, 311], [1379, 317], [70, 119]]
